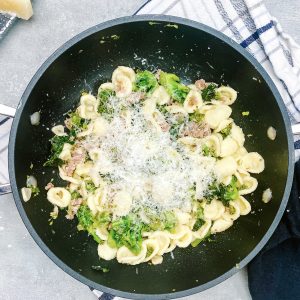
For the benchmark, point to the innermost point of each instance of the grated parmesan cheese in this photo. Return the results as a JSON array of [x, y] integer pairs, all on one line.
[[137, 158]]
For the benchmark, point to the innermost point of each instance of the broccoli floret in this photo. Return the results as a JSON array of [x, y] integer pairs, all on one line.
[[104, 107], [175, 89], [209, 92], [145, 82], [166, 221], [126, 231], [207, 151], [90, 186], [86, 221], [222, 192], [199, 219], [57, 144], [226, 131], [196, 117]]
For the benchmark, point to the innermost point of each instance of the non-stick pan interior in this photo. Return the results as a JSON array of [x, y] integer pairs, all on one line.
[[192, 54]]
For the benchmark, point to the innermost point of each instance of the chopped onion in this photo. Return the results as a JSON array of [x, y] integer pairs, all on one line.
[[267, 195], [58, 130], [31, 181], [35, 118], [26, 193], [271, 132]]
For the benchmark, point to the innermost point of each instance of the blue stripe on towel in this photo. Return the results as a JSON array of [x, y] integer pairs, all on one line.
[[297, 144], [254, 36]]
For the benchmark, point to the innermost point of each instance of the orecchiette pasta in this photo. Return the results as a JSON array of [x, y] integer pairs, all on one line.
[[59, 196], [151, 164]]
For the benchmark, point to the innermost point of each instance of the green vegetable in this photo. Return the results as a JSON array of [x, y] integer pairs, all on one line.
[[171, 83], [166, 221], [90, 186], [103, 218], [75, 195], [222, 192], [209, 92], [196, 242], [104, 107], [34, 190], [196, 117], [86, 221], [99, 268], [145, 82], [57, 144], [200, 219], [126, 231], [226, 131], [245, 113], [77, 123], [207, 151]]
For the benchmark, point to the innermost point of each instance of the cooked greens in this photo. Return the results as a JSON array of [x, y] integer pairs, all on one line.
[[145, 82], [171, 83]]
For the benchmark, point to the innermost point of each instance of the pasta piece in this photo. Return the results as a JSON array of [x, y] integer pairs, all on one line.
[[96, 201], [59, 196], [214, 210], [205, 108], [186, 239], [100, 127], [237, 134], [220, 225], [223, 124], [106, 86], [203, 230], [176, 108], [88, 107], [225, 167], [65, 154], [161, 96], [152, 247], [125, 71], [216, 115], [122, 85], [86, 131], [192, 101], [162, 239], [171, 247], [157, 259], [228, 147], [182, 217], [177, 232], [249, 184], [106, 252], [63, 175], [125, 256], [102, 233], [83, 169], [252, 162], [213, 142], [122, 203], [58, 130], [244, 205], [226, 95], [232, 212]]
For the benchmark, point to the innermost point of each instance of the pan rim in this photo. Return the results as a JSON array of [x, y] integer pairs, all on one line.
[[133, 19]]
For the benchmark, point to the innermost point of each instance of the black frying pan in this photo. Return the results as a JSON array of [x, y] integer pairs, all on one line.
[[192, 51]]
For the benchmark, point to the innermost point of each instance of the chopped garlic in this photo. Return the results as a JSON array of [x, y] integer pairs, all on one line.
[[271, 132], [26, 193], [267, 195], [21, 8]]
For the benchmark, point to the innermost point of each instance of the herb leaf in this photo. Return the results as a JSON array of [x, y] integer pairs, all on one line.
[[209, 92]]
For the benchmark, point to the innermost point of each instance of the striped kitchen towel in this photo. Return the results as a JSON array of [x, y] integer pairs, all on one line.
[[249, 23]]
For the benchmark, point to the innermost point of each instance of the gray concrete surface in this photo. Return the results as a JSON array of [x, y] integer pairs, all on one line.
[[25, 271]]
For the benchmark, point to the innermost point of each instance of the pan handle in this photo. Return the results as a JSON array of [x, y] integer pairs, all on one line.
[[9, 112]]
